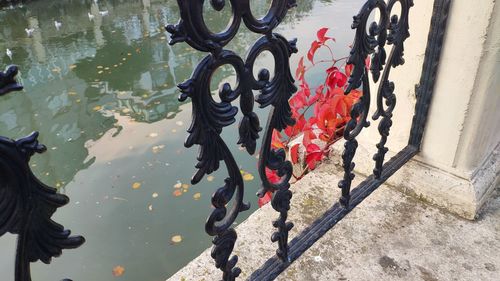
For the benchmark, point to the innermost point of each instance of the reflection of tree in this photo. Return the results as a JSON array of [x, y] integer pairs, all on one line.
[[66, 97]]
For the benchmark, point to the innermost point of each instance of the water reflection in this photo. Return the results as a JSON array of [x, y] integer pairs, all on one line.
[[102, 92]]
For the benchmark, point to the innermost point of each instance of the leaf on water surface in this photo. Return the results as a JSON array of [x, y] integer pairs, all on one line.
[[155, 195], [153, 135], [210, 178], [118, 271], [248, 177], [150, 208], [197, 196], [177, 192], [136, 185], [176, 239], [97, 108], [178, 184], [157, 148]]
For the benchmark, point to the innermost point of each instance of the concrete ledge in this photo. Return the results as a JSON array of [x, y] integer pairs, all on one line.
[[461, 195], [390, 236]]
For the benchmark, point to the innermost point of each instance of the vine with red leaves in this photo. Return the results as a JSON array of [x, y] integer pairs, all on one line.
[[330, 107]]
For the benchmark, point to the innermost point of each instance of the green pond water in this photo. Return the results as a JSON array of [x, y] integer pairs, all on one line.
[[103, 95]]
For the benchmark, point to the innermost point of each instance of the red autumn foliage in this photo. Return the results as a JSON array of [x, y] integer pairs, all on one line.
[[330, 111]]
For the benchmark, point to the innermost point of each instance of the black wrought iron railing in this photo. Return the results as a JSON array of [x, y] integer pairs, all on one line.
[[26, 205]]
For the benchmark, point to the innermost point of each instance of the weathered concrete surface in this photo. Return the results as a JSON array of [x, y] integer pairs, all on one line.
[[390, 236]]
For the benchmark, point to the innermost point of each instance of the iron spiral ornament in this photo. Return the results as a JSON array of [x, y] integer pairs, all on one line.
[[26, 204], [210, 117], [389, 30]]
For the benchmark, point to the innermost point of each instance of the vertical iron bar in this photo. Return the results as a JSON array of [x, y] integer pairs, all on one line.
[[425, 88]]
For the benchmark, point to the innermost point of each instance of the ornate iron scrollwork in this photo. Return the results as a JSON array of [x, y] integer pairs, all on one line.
[[210, 116], [365, 44], [8, 81], [26, 204]]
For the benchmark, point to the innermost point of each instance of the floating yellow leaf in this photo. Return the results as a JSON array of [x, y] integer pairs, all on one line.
[[136, 185], [97, 108], [177, 193], [185, 185], [118, 271], [99, 67], [73, 66], [157, 148], [178, 184], [248, 177], [100, 72], [197, 196], [210, 178], [176, 239]]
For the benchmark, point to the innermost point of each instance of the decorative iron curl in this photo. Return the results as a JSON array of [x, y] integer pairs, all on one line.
[[398, 33], [27, 205], [8, 81], [393, 31], [210, 117]]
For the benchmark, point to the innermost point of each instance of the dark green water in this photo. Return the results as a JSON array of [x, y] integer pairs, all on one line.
[[103, 95]]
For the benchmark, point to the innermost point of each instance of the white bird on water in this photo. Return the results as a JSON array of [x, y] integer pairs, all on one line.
[[8, 52], [104, 13], [29, 31], [57, 24], [91, 16]]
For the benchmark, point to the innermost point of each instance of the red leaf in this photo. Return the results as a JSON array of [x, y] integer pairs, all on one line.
[[321, 35], [314, 155], [276, 142], [348, 69], [335, 78], [294, 154], [301, 70], [314, 47], [272, 176], [265, 199], [298, 101], [305, 88], [318, 96], [308, 134]]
